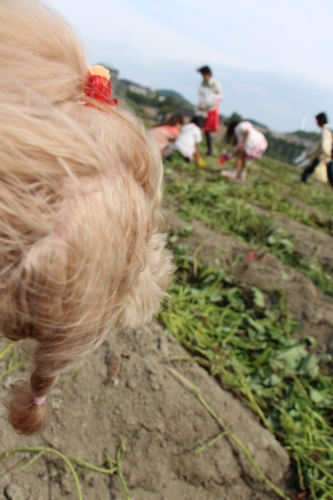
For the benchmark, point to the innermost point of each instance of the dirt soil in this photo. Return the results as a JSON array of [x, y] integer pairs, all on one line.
[[312, 210], [309, 241], [161, 422], [307, 303]]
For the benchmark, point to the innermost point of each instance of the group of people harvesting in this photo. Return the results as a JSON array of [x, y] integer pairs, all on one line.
[[176, 139]]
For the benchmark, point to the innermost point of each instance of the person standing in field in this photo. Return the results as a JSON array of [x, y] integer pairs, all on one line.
[[210, 97], [322, 154]]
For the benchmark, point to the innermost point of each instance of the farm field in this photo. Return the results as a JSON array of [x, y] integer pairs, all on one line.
[[227, 394], [253, 303]]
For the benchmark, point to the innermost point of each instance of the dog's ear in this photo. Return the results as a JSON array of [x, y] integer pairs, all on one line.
[[143, 299]]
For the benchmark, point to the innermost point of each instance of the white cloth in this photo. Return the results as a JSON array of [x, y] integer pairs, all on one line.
[[323, 149], [302, 160], [254, 138], [320, 172], [189, 136], [255, 144], [210, 94]]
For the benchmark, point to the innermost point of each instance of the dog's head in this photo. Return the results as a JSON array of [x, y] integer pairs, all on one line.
[[80, 227]]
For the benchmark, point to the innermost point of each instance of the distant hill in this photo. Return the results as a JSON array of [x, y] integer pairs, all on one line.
[[254, 122], [305, 135], [175, 95]]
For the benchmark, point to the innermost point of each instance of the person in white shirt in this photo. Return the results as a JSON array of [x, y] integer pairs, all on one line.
[[210, 96], [251, 145], [322, 152], [190, 135]]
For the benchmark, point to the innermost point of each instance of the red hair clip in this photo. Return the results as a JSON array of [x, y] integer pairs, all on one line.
[[98, 85]]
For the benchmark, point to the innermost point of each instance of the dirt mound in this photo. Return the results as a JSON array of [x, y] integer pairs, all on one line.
[[309, 241], [306, 302], [161, 422], [312, 210], [208, 244]]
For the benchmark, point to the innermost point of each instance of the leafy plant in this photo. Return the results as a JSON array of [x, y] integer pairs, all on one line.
[[249, 348], [211, 203]]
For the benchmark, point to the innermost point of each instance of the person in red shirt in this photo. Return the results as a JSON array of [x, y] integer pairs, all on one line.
[[166, 133]]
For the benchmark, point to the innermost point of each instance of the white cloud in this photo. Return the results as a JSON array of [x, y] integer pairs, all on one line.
[[273, 58], [137, 35], [292, 36]]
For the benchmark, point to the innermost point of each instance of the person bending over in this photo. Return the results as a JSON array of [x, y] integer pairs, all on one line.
[[251, 145], [189, 137], [166, 133]]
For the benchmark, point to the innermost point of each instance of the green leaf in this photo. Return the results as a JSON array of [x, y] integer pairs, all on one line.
[[272, 380], [286, 243], [309, 366], [257, 326], [259, 298], [185, 216], [186, 231], [181, 249], [289, 360], [233, 296], [216, 296], [316, 396]]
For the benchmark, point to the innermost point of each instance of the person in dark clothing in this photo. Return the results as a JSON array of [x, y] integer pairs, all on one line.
[[330, 172], [309, 170], [323, 150]]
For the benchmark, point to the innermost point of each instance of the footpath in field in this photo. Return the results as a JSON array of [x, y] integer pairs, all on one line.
[[174, 447]]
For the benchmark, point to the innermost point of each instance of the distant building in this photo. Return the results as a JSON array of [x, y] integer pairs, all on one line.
[[150, 111], [113, 72], [291, 138], [136, 88], [152, 92]]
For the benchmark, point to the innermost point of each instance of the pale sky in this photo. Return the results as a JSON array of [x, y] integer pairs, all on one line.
[[274, 58]]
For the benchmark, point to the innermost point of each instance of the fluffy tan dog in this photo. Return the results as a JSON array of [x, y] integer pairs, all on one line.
[[81, 250]]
